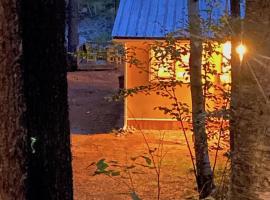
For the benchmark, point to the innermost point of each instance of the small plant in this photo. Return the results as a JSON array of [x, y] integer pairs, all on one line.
[[151, 160]]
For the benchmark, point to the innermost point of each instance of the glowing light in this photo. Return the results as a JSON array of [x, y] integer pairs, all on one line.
[[241, 50], [180, 75], [227, 50], [163, 72], [225, 76]]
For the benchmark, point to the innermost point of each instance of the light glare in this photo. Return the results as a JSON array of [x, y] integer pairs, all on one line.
[[241, 50], [227, 50]]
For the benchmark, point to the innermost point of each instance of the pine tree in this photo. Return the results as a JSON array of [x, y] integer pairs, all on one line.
[[251, 153], [13, 141], [35, 157], [73, 36]]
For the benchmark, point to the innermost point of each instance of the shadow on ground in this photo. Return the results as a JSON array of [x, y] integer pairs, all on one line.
[[89, 110]]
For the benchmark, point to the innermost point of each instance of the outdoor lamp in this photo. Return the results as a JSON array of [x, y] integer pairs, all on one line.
[[241, 50]]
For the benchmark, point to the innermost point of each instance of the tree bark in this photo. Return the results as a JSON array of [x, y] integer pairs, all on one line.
[[46, 99], [203, 167], [73, 37], [235, 65], [35, 157], [251, 157], [13, 153]]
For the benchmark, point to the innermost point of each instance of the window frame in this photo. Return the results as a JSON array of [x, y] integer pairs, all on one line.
[[153, 75]]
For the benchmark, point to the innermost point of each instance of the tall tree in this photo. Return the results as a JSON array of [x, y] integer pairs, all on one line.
[[13, 141], [73, 37], [35, 157], [43, 27], [203, 167], [235, 63], [251, 155]]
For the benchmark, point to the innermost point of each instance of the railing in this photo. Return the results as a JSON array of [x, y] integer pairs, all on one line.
[[100, 53]]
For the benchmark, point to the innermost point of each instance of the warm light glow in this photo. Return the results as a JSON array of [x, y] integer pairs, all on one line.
[[227, 50], [163, 72], [163, 67], [225, 76], [241, 50], [182, 74]]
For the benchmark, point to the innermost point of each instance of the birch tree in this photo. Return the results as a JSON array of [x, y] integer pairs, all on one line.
[[204, 174]]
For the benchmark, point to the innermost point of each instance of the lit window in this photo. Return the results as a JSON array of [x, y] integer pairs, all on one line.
[[163, 67], [225, 76]]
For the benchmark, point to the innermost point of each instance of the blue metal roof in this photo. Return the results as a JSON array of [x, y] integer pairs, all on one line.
[[156, 18]]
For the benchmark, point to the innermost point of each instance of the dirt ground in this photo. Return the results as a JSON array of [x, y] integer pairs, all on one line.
[[176, 176], [91, 113]]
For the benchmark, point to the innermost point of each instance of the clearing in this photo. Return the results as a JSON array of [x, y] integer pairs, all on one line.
[[91, 113]]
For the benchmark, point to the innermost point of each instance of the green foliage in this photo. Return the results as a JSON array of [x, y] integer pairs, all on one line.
[[101, 165], [102, 168], [134, 196], [147, 160]]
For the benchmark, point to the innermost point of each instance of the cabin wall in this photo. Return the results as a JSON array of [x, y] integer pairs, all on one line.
[[139, 109]]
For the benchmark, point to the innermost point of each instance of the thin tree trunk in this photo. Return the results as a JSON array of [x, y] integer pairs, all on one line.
[[235, 65], [13, 153], [251, 158], [204, 171]]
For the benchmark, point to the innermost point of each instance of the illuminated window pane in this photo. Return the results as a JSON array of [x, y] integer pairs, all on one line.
[[181, 70], [163, 67], [226, 67], [163, 72]]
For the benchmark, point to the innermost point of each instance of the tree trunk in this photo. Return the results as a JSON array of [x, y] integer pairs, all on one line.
[[35, 157], [235, 64], [73, 37], [13, 153], [203, 167], [251, 157], [46, 99]]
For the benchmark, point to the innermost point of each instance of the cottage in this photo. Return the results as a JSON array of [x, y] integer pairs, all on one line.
[[139, 23]]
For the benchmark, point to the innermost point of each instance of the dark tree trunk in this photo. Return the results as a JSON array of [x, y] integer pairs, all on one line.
[[73, 37], [251, 156], [235, 64], [46, 99], [203, 167], [35, 157], [13, 154]]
